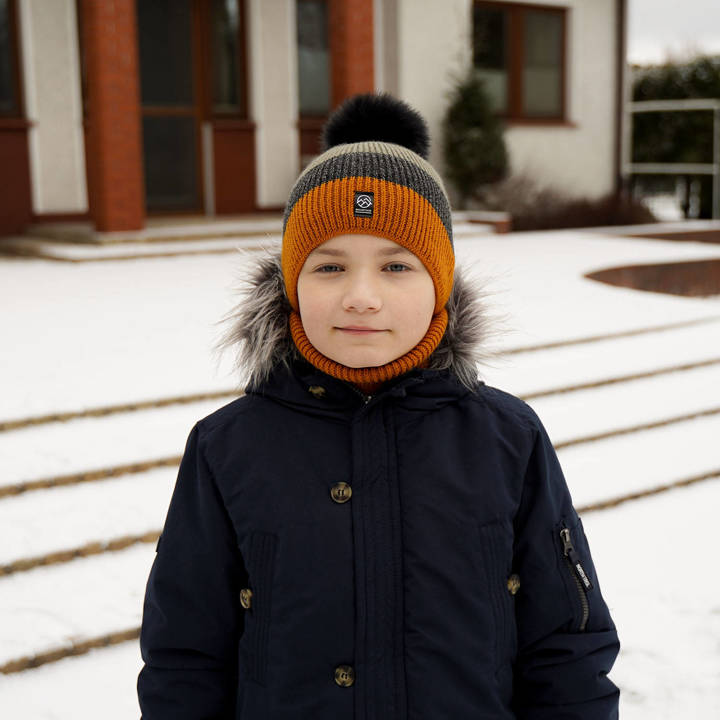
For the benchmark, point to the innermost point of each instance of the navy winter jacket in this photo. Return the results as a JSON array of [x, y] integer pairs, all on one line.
[[411, 555]]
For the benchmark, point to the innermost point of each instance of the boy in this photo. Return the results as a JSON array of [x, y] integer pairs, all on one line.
[[371, 532]]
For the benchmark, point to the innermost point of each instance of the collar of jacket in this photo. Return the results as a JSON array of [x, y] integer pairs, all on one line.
[[303, 387], [269, 363]]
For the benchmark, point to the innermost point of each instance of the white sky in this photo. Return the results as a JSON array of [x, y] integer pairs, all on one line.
[[680, 27]]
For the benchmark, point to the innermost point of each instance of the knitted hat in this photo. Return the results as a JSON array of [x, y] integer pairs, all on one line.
[[373, 178]]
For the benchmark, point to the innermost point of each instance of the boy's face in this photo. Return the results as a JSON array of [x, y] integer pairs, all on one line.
[[364, 281]]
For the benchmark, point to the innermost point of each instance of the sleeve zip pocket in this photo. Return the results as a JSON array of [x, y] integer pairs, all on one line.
[[580, 577]]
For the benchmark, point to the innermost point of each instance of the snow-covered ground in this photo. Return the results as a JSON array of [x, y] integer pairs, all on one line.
[[77, 336]]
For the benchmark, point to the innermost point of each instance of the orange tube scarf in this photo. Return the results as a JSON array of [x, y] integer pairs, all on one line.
[[369, 379]]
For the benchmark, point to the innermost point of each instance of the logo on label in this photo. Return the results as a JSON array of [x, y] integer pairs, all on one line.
[[364, 204]]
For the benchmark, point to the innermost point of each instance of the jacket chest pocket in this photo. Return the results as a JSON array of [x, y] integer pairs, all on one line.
[[496, 549], [256, 602]]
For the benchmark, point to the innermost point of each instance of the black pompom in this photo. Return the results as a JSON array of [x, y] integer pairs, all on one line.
[[380, 117]]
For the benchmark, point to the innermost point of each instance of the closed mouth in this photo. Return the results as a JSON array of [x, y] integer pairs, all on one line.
[[364, 330]]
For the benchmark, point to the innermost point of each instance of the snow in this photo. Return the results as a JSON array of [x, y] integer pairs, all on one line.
[[88, 335], [654, 559], [77, 251], [67, 517], [97, 442], [65, 603], [604, 359], [625, 464]]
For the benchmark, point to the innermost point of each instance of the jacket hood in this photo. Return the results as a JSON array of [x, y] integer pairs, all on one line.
[[259, 334]]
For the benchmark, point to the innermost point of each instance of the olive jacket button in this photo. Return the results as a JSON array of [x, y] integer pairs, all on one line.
[[246, 597], [513, 583], [344, 675], [340, 492], [317, 390]]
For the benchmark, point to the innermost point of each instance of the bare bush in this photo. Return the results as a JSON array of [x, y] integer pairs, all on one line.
[[536, 207]]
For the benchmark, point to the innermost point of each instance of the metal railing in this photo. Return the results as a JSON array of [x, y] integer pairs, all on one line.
[[713, 168]]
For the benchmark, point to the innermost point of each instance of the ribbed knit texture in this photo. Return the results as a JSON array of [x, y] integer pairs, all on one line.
[[369, 379], [401, 215]]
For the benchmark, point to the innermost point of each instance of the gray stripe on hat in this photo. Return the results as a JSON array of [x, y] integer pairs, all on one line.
[[375, 165], [381, 148]]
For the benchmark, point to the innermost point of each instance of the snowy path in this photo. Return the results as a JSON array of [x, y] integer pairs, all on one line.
[[143, 330], [74, 601], [62, 448], [562, 366], [641, 461], [101, 684], [71, 516], [653, 558], [668, 664], [89, 443], [585, 412], [67, 517]]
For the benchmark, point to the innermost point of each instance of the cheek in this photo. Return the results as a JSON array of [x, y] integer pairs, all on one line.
[[421, 310], [313, 303]]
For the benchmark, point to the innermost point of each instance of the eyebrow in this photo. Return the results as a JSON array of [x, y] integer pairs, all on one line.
[[341, 253]]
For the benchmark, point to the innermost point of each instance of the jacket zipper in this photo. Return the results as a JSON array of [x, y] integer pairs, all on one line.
[[582, 581], [366, 398]]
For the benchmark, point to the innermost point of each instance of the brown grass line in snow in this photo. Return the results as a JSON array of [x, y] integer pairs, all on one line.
[[132, 468], [637, 428], [21, 423], [621, 379], [77, 648], [640, 494], [97, 547], [29, 662], [88, 476], [113, 409], [611, 336]]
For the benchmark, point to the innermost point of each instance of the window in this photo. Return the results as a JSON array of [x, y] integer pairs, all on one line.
[[9, 95], [164, 32], [520, 52], [227, 61], [313, 57]]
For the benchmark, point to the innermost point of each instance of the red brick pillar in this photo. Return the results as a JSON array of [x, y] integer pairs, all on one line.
[[351, 48], [114, 141]]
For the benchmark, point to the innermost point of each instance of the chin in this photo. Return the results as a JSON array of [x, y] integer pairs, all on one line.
[[363, 362], [356, 364]]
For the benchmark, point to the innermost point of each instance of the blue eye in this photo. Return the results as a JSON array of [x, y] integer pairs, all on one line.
[[397, 265]]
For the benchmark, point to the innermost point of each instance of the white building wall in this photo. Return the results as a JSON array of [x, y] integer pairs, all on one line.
[[274, 97], [579, 159], [433, 45], [51, 79], [434, 40]]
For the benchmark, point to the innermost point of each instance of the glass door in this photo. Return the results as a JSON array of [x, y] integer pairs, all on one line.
[[169, 105]]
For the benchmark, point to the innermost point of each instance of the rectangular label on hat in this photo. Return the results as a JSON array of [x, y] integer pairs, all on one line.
[[364, 204]]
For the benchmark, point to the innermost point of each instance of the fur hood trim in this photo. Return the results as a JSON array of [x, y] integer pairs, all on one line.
[[258, 329]]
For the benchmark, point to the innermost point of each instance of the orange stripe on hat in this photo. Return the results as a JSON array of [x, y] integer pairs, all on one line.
[[399, 214]]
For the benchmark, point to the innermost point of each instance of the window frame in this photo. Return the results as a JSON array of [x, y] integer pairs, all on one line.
[[515, 19]]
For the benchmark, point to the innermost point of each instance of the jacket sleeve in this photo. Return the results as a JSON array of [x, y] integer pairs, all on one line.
[[191, 614], [567, 641]]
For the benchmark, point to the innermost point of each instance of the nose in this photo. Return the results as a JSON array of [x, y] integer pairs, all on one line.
[[361, 293]]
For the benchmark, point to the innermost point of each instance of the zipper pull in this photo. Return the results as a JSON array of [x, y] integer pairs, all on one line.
[[570, 553], [356, 389]]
